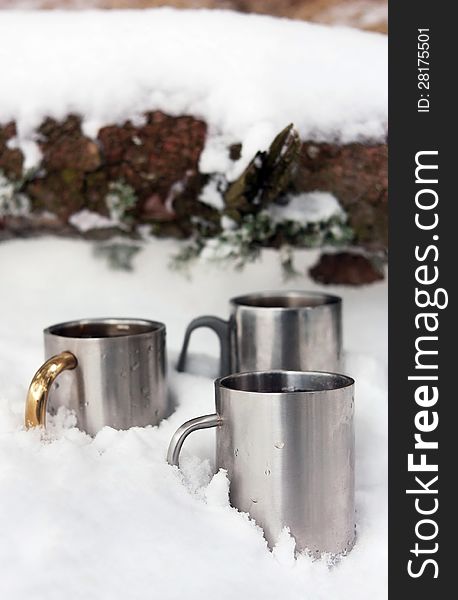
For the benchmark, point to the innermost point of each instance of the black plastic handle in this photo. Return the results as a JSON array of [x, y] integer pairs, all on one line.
[[221, 328]]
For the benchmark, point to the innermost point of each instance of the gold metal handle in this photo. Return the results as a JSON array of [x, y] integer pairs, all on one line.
[[37, 396]]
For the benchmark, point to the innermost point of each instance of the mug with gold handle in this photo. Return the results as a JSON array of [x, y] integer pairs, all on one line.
[[110, 372]]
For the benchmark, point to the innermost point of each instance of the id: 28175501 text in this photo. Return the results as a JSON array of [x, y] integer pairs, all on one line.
[[423, 78]]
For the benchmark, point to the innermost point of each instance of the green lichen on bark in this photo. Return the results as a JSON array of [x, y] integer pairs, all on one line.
[[121, 200], [243, 243], [13, 202]]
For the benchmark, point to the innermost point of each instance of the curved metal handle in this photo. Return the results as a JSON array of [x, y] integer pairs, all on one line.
[[176, 443], [37, 396], [221, 328]]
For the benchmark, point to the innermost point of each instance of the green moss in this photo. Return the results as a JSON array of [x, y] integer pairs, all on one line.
[[70, 177]]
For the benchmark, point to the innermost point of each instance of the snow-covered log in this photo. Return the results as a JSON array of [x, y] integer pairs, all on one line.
[[114, 121]]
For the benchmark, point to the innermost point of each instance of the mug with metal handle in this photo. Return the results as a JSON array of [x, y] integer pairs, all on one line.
[[286, 439], [110, 372], [292, 330]]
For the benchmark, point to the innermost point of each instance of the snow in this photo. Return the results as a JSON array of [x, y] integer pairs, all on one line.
[[227, 223], [305, 208], [247, 76], [212, 195], [107, 517], [85, 220]]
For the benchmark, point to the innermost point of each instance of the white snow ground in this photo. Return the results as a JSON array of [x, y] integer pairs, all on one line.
[[247, 76], [306, 208], [107, 518]]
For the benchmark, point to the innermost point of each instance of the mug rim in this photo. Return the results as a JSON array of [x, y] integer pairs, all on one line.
[[57, 329], [221, 382], [248, 300]]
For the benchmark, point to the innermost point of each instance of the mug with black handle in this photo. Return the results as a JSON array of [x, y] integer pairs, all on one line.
[[292, 330]]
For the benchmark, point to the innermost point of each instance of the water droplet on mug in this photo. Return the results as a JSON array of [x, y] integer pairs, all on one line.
[[254, 501], [267, 472], [86, 404], [135, 366], [279, 445], [145, 391], [150, 348], [236, 452], [123, 373]]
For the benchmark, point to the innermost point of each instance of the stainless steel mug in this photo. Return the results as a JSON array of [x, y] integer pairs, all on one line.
[[290, 330], [286, 439], [111, 372]]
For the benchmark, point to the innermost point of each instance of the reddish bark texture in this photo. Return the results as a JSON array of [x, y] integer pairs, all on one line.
[[158, 159], [345, 268], [10, 159], [357, 175]]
